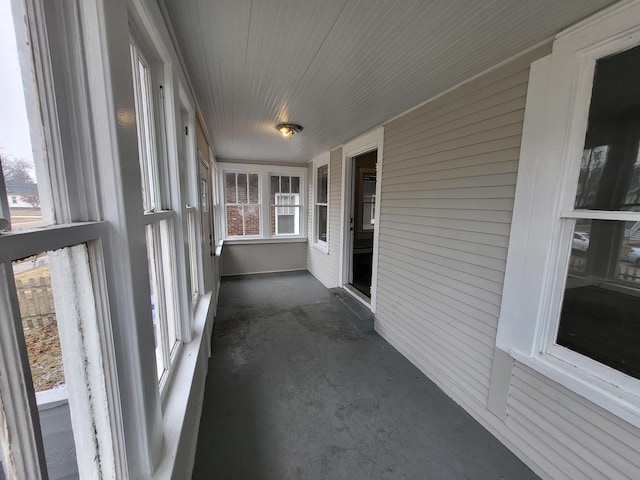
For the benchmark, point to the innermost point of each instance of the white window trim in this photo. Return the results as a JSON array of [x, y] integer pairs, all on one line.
[[555, 125], [320, 161], [372, 140], [264, 188]]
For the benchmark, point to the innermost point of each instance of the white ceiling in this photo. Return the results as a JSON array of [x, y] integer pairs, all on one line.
[[342, 67]]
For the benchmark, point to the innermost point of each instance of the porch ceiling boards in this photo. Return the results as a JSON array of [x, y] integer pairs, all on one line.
[[341, 67]]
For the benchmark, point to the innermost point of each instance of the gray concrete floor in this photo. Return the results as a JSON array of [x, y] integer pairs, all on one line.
[[294, 391]]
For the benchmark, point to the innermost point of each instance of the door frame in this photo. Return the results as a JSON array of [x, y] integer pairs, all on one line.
[[372, 140]]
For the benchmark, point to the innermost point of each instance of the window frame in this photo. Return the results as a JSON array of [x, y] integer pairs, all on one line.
[[264, 173], [556, 116], [317, 163], [67, 183]]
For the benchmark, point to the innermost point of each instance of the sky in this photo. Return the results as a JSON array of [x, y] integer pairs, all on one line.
[[15, 140]]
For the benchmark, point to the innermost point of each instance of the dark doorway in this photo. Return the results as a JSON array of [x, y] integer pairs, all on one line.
[[364, 198]]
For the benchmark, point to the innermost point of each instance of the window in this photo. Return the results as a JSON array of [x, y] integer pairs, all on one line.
[[285, 205], [247, 188], [321, 209], [159, 218], [53, 294], [242, 204], [572, 286]]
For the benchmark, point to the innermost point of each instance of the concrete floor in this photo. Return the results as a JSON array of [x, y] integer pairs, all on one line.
[[294, 391]]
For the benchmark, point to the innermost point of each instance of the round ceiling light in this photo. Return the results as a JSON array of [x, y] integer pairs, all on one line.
[[288, 129]]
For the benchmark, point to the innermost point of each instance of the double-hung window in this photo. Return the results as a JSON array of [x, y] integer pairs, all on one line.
[[159, 218], [321, 205], [242, 204], [57, 355], [285, 205], [571, 299], [263, 202]]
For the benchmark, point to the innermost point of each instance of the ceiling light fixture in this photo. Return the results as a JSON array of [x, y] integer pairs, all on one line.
[[288, 129]]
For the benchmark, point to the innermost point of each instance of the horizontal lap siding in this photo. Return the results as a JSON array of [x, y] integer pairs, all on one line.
[[325, 266], [447, 195], [449, 174], [591, 442]]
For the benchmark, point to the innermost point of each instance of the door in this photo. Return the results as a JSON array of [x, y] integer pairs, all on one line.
[[363, 221]]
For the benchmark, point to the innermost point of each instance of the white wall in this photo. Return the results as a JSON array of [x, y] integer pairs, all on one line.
[[448, 185], [325, 265], [263, 258]]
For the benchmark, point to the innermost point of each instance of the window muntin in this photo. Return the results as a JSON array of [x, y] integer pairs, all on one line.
[[321, 204], [242, 204], [285, 205]]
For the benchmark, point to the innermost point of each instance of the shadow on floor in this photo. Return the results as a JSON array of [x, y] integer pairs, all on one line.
[[294, 391]]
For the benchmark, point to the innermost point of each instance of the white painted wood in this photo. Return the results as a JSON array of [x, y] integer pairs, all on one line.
[[367, 142], [83, 357], [341, 68], [500, 383]]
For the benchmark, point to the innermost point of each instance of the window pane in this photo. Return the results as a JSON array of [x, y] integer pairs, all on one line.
[[610, 168], [143, 96], [321, 215], [599, 317], [275, 188], [295, 184], [157, 310], [242, 188], [20, 130], [40, 325], [285, 184], [234, 221], [230, 188], [251, 220], [321, 192], [253, 188], [285, 220]]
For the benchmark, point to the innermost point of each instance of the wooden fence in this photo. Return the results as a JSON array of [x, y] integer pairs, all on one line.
[[36, 302], [626, 271]]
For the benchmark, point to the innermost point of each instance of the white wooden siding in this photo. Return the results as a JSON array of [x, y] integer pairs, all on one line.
[[325, 266], [448, 185]]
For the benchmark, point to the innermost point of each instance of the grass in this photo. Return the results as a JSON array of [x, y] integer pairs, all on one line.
[[43, 342]]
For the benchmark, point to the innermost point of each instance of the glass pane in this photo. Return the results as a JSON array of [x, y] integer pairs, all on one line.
[[285, 184], [143, 96], [321, 223], [40, 326], [610, 168], [287, 220], [274, 181], [193, 258], [253, 188], [242, 188], [204, 194], [234, 221], [295, 184], [21, 156], [251, 220], [157, 310], [166, 266], [368, 216], [323, 177], [599, 316], [230, 188]]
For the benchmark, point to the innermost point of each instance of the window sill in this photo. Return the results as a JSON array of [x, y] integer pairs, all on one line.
[[179, 390], [619, 402], [251, 241], [321, 248]]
